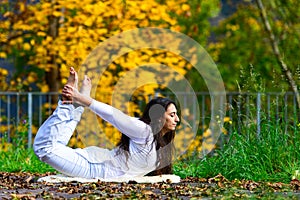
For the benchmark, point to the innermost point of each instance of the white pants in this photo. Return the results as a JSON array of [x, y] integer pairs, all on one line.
[[52, 138]]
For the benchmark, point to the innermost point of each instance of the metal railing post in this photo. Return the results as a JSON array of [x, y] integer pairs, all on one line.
[[29, 120], [258, 107], [8, 117], [239, 114], [245, 110], [18, 109]]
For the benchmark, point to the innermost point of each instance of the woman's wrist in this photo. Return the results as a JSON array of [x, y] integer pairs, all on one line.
[[86, 101]]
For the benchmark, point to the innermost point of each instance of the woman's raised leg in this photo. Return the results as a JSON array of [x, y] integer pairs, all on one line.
[[53, 136]]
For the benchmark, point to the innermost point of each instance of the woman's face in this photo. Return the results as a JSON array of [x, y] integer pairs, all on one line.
[[171, 119]]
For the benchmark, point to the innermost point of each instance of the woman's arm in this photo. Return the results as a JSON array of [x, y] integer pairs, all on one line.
[[130, 126]]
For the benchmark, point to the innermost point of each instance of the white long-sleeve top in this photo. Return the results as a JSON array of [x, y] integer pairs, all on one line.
[[142, 151]]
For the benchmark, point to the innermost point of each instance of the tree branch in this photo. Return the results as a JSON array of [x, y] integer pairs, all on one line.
[[276, 51]]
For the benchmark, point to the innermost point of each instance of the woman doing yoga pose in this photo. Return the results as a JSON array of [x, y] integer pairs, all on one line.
[[145, 147]]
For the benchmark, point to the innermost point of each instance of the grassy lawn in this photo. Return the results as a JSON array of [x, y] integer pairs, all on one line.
[[247, 165], [274, 156]]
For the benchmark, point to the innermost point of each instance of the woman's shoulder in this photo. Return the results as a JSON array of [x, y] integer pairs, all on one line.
[[145, 135]]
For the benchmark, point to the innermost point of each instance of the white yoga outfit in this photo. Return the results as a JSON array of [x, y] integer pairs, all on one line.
[[50, 145]]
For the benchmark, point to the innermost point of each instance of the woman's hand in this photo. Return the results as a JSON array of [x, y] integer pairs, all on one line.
[[71, 94], [78, 98]]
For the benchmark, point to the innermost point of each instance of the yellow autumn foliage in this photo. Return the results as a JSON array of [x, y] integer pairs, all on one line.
[[82, 25], [63, 33]]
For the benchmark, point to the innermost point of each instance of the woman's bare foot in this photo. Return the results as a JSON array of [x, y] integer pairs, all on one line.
[[86, 86], [72, 81], [81, 98]]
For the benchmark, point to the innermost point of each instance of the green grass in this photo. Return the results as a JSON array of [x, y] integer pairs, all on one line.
[[15, 157], [274, 156], [22, 160]]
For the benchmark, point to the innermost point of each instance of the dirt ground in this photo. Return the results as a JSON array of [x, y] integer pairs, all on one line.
[[26, 186]]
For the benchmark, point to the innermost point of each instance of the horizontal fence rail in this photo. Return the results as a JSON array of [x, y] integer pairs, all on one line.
[[241, 110]]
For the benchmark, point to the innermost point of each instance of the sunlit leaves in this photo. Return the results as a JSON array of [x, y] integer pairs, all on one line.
[[57, 34], [82, 25]]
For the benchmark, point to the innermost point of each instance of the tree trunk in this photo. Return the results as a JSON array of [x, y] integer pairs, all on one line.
[[277, 53], [53, 76]]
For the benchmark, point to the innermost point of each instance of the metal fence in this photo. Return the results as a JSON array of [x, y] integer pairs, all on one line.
[[241, 110]]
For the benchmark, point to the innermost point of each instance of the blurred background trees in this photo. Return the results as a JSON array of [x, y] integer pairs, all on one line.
[[40, 40], [243, 45]]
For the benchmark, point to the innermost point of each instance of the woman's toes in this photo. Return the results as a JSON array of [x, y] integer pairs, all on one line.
[[86, 86]]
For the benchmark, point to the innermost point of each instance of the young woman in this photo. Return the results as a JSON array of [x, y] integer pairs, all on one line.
[[145, 147]]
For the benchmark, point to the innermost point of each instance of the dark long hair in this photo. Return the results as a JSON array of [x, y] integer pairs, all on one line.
[[153, 119]]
